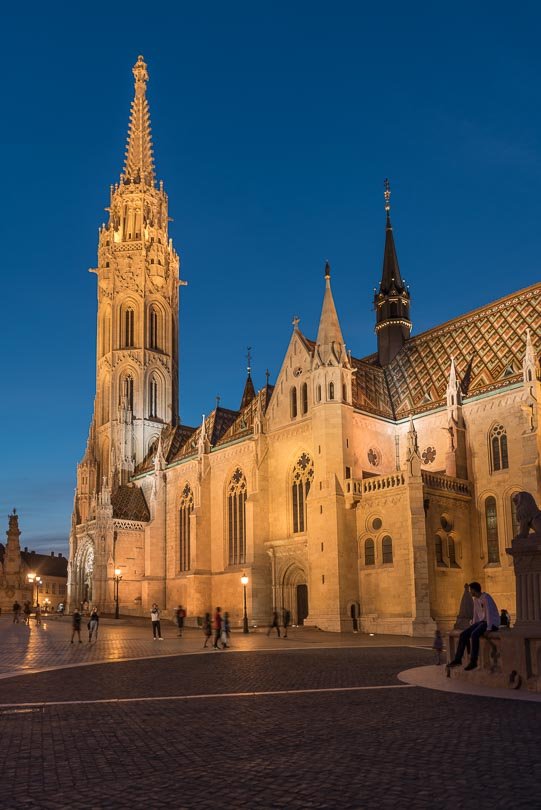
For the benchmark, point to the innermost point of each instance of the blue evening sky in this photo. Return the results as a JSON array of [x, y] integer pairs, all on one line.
[[275, 124]]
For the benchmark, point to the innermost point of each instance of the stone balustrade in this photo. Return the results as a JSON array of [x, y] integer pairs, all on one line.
[[384, 482], [446, 483]]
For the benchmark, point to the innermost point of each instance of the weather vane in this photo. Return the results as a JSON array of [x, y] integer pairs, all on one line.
[[387, 194], [249, 359]]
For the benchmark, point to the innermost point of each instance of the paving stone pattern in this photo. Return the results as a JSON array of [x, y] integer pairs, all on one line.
[[382, 748]]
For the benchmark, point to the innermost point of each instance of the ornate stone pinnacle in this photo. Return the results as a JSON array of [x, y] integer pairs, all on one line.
[[140, 71]]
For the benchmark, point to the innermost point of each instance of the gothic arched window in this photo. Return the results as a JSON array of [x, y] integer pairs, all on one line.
[[498, 448], [331, 390], [319, 393], [387, 549], [153, 329], [127, 391], [491, 520], [369, 552], [293, 402], [153, 397], [515, 526], [236, 518], [303, 474], [304, 398], [438, 551], [185, 510], [451, 545], [129, 320]]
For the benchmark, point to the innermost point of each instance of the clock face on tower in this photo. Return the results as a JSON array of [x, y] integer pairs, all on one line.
[[297, 371]]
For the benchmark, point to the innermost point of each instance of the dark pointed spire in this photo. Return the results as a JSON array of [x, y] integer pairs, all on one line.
[[391, 280], [249, 390], [392, 301]]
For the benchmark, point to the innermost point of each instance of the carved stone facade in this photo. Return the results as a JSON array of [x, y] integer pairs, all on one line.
[[357, 493]]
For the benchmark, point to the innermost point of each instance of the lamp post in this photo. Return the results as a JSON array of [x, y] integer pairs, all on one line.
[[38, 583], [117, 578], [244, 579], [31, 578]]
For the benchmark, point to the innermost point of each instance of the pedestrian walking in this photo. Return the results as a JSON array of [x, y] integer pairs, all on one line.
[[226, 630], [38, 614], [76, 625], [155, 619], [485, 617], [275, 624], [16, 612], [27, 610], [207, 628], [180, 615], [437, 646], [217, 627], [93, 624], [286, 620]]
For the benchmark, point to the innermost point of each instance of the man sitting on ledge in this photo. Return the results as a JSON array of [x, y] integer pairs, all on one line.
[[485, 615]]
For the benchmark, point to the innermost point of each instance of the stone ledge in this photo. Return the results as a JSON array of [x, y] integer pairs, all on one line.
[[508, 659]]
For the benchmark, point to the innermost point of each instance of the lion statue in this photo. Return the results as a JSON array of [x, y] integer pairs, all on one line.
[[528, 514]]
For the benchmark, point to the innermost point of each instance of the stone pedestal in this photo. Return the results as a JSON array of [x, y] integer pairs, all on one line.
[[526, 553]]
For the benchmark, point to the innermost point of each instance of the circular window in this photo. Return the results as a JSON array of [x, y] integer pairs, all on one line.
[[428, 455], [377, 524], [446, 522]]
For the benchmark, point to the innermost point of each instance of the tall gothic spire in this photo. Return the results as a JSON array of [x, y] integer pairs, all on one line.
[[329, 335], [139, 162], [392, 301]]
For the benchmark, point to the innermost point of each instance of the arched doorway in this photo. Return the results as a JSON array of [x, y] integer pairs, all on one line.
[[293, 593], [302, 603], [83, 576]]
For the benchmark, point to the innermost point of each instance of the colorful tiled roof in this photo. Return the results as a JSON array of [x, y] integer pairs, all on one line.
[[129, 504], [487, 345]]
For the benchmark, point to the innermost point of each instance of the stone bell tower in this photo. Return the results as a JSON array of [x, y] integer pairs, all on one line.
[[137, 323]]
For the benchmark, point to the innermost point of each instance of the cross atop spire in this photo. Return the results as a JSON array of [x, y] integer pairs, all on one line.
[[139, 162]]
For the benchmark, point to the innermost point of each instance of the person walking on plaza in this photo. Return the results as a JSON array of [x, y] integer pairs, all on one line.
[[93, 624], [76, 625], [217, 627], [155, 619], [437, 646], [286, 620], [485, 617], [226, 630], [207, 628], [16, 612], [38, 614], [180, 615], [27, 610], [275, 623]]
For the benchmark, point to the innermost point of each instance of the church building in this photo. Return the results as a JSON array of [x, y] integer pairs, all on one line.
[[359, 493]]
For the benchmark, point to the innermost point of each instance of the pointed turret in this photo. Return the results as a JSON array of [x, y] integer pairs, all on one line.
[[392, 301], [139, 162], [330, 343], [529, 364], [413, 456], [455, 458], [249, 390]]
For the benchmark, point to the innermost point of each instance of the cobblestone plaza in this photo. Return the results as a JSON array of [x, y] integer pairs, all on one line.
[[317, 720]]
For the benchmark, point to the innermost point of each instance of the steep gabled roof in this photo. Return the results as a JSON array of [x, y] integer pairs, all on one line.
[[129, 503], [45, 564], [488, 347]]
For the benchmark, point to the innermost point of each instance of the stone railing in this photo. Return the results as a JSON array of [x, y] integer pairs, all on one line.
[[384, 482], [354, 487], [444, 482]]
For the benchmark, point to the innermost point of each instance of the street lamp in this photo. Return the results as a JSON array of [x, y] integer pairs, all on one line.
[[117, 578], [33, 579], [244, 579]]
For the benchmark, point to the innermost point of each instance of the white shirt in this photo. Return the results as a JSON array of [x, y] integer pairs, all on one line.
[[155, 614], [485, 610]]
